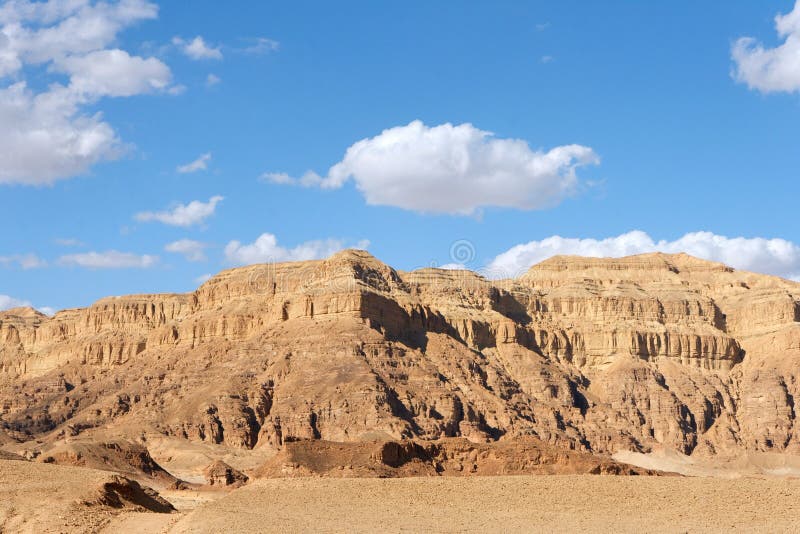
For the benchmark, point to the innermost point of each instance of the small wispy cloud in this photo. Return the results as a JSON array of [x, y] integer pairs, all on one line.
[[190, 249], [212, 80], [546, 59], [200, 164], [185, 215], [197, 48], [260, 45], [110, 259], [7, 303], [23, 261]]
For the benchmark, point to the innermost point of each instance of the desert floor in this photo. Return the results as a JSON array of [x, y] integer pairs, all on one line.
[[501, 504], [46, 498]]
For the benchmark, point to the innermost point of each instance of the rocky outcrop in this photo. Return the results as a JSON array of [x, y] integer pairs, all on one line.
[[447, 457], [121, 456], [589, 354], [218, 473], [123, 493]]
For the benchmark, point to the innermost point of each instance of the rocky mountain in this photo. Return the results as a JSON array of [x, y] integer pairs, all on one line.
[[598, 355]]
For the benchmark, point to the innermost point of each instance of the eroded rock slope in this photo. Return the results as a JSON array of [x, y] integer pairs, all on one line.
[[592, 354]]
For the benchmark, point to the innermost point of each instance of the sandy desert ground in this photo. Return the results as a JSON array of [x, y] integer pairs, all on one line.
[[491, 504], [39, 498], [46, 498]]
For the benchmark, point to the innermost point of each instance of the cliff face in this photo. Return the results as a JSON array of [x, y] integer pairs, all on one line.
[[594, 354]]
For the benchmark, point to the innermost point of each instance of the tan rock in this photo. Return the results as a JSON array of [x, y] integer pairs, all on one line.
[[593, 354], [219, 473]]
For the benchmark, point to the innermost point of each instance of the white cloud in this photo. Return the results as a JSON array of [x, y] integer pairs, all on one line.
[[191, 250], [261, 45], [110, 259], [49, 135], [202, 279], [40, 32], [546, 59], [197, 48], [309, 179], [194, 212], [212, 80], [7, 303], [265, 249], [114, 73], [24, 261], [772, 256], [452, 169], [200, 164], [771, 69], [45, 138]]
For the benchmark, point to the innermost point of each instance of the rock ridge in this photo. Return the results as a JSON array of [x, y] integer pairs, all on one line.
[[593, 354]]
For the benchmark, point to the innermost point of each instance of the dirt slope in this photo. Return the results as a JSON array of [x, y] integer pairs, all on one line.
[[40, 498]]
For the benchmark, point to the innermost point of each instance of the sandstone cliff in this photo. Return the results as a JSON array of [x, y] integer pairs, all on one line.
[[592, 354]]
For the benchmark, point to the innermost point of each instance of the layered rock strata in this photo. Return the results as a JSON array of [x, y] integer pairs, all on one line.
[[592, 354]]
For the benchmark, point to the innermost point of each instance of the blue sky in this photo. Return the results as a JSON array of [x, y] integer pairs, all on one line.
[[497, 124]]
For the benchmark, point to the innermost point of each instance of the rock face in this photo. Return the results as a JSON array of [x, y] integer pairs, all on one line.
[[131, 459], [447, 457], [121, 492], [218, 473], [598, 355]]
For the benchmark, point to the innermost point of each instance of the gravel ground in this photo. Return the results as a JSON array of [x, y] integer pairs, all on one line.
[[494, 504], [43, 498]]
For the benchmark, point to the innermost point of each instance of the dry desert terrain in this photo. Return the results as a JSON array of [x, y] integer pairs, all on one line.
[[577, 503], [49, 498], [345, 395]]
